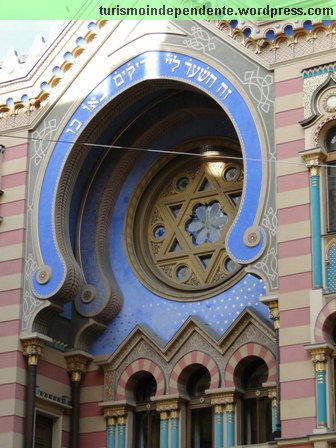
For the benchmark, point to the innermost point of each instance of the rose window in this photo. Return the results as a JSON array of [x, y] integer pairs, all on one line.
[[176, 226]]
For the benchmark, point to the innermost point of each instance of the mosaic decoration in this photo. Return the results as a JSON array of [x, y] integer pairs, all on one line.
[[165, 317], [331, 269]]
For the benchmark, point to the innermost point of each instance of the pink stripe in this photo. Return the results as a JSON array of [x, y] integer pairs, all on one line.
[[14, 180], [293, 353], [295, 318], [11, 297], [92, 439], [288, 117], [295, 282], [250, 349], [13, 237], [152, 368], [11, 423], [263, 352], [213, 371], [238, 356], [173, 390], [173, 376], [141, 363], [11, 267], [12, 359], [65, 439], [95, 378], [182, 363], [298, 427], [207, 360], [13, 208], [295, 248], [129, 370], [288, 87], [89, 410], [122, 383], [271, 364], [9, 328], [290, 149], [293, 181], [159, 378], [230, 368], [10, 391], [291, 390], [52, 371], [290, 215], [15, 152]]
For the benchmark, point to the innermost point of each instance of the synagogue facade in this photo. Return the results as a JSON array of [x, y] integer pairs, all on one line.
[[168, 236]]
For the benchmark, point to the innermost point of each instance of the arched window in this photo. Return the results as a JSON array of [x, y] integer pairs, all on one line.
[[256, 412], [146, 419], [199, 411]]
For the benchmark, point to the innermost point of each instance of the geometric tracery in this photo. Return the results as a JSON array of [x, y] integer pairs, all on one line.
[[180, 224]]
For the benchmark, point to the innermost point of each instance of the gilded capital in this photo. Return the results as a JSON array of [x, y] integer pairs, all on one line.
[[272, 395], [77, 363], [319, 356], [313, 159], [111, 421], [273, 308], [33, 349], [230, 401], [115, 411]]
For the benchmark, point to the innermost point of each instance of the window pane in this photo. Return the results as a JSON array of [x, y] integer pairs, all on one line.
[[43, 432], [201, 428]]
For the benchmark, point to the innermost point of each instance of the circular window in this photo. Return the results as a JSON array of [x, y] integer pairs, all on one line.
[[177, 221]]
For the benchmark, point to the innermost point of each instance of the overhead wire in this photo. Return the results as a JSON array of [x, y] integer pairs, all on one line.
[[159, 151]]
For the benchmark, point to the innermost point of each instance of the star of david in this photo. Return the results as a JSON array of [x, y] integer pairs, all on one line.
[[196, 211]]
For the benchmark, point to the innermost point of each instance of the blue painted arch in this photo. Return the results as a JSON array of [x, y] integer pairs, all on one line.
[[155, 65]]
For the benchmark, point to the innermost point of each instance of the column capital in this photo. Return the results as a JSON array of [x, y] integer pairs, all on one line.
[[273, 307], [77, 362], [319, 355], [168, 403], [115, 409], [33, 346], [313, 159], [110, 421]]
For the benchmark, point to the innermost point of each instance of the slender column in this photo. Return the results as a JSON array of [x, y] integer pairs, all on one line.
[[32, 349], [76, 365], [313, 159], [272, 395], [111, 432], [164, 430], [175, 428], [219, 429], [275, 316], [169, 408], [230, 422], [122, 431], [319, 357], [316, 227], [115, 413]]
